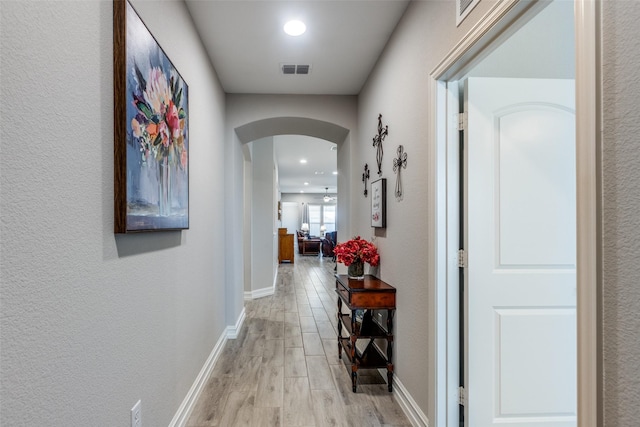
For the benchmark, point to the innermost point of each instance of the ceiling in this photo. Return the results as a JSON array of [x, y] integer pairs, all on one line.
[[248, 47], [319, 170]]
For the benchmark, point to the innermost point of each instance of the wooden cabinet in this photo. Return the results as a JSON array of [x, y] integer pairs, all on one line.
[[364, 296], [285, 246]]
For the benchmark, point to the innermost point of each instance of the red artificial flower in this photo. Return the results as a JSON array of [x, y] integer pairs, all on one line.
[[357, 249]]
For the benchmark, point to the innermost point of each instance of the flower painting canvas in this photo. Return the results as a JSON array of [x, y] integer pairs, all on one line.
[[151, 131]]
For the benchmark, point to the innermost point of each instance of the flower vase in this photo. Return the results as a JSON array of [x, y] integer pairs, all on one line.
[[164, 187], [356, 270]]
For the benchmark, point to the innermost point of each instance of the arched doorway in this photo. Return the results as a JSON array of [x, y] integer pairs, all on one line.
[[264, 131]]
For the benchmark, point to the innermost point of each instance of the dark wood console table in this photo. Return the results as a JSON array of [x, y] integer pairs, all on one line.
[[368, 294]]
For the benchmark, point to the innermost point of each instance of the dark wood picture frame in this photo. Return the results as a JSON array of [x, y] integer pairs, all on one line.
[[379, 203], [151, 130]]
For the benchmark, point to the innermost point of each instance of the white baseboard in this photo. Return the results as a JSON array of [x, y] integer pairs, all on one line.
[[264, 292], [232, 331], [182, 415], [409, 405]]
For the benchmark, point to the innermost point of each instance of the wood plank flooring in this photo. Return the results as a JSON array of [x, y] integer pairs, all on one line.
[[283, 369]]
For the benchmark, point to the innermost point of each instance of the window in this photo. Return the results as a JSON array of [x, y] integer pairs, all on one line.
[[329, 217], [321, 215], [315, 214]]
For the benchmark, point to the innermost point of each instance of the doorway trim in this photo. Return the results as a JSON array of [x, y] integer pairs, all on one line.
[[494, 27]]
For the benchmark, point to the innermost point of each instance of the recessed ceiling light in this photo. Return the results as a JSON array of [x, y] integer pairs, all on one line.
[[335, 172], [295, 28], [319, 172], [306, 183], [302, 191], [303, 160]]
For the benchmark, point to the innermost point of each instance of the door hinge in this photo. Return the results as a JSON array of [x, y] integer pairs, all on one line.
[[462, 258], [462, 396], [462, 121]]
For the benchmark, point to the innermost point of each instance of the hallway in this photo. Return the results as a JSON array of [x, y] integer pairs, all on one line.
[[283, 369]]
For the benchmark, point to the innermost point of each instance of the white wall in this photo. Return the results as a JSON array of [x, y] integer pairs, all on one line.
[[398, 89], [263, 216], [92, 322]]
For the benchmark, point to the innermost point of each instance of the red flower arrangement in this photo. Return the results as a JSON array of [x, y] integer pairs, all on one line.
[[355, 250]]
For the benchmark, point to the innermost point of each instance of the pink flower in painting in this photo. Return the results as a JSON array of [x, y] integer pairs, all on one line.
[[157, 93], [163, 130], [160, 120], [173, 120]]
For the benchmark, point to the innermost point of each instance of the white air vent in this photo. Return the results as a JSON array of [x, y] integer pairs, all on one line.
[[463, 7], [295, 68], [288, 69]]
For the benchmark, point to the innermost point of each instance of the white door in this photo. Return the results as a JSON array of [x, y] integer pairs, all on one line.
[[521, 248]]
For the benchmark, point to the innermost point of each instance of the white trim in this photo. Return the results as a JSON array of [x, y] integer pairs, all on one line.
[[259, 293], [409, 405], [460, 16], [494, 26], [588, 167], [264, 292], [182, 415], [184, 411], [232, 331]]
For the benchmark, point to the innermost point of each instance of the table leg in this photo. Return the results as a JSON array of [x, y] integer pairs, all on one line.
[[339, 327], [390, 350]]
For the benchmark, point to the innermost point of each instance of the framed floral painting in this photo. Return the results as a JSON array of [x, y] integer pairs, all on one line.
[[151, 132]]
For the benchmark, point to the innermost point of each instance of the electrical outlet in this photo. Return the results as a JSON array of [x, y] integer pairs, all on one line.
[[136, 414]]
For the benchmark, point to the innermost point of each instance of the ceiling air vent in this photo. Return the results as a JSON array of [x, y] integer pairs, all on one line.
[[463, 9], [295, 69], [288, 69]]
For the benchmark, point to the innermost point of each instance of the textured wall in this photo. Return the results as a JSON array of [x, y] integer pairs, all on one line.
[[621, 213], [398, 89], [92, 322]]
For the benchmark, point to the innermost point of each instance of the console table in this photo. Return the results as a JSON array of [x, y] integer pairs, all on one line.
[[368, 294]]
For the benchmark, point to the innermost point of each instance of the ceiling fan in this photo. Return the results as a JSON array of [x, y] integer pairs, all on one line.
[[327, 198]]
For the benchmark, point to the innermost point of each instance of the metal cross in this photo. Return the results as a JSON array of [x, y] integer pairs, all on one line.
[[399, 163], [365, 177], [377, 142]]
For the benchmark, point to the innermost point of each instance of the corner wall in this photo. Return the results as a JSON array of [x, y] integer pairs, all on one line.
[[92, 322]]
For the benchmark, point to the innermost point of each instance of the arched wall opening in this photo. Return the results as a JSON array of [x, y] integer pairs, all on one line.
[[253, 116], [260, 248]]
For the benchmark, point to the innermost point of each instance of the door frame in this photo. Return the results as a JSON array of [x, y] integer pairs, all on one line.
[[494, 27]]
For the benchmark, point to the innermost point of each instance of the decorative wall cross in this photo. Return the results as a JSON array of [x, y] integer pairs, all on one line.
[[365, 177], [399, 163], [377, 142]]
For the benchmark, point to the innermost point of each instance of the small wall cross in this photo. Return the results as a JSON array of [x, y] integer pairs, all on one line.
[[365, 177], [399, 163], [377, 142]]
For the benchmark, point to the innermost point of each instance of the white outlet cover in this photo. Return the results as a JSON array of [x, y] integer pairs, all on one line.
[[136, 414]]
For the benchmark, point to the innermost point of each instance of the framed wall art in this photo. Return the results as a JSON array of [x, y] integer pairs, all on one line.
[[151, 130], [379, 203]]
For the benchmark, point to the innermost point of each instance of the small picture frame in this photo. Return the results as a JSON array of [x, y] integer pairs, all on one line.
[[379, 203]]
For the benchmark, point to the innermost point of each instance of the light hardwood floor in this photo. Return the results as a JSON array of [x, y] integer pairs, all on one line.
[[283, 369]]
